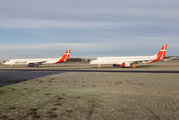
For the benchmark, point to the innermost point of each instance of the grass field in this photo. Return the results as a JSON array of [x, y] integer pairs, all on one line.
[[88, 96]]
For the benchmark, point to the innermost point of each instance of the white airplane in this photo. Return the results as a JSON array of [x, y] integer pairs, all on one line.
[[131, 60], [40, 61]]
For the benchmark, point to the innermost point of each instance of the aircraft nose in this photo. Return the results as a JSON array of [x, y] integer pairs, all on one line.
[[92, 62], [5, 62]]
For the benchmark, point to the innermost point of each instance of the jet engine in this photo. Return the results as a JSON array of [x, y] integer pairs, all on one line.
[[126, 64], [114, 65], [31, 64]]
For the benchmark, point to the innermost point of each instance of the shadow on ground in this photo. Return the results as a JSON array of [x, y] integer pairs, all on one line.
[[13, 77]]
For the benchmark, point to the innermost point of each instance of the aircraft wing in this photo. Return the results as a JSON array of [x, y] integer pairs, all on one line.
[[40, 62], [140, 61], [136, 62], [169, 57], [36, 63], [147, 61]]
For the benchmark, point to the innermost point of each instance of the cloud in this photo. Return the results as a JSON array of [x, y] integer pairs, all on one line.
[[92, 47], [83, 50], [93, 10], [48, 24], [90, 28], [51, 50]]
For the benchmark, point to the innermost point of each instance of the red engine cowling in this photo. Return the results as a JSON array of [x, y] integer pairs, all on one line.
[[126, 64]]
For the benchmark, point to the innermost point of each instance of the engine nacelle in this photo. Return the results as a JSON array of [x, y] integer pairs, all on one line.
[[31, 64], [126, 64], [114, 65]]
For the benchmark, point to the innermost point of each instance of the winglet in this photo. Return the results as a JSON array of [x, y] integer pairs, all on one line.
[[65, 57]]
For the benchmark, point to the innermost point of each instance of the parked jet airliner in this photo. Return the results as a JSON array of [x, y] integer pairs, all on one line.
[[131, 60], [37, 62]]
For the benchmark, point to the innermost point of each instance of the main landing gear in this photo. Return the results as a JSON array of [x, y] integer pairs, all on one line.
[[133, 66]]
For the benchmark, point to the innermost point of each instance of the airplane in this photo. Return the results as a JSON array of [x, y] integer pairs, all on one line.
[[130, 61], [38, 61]]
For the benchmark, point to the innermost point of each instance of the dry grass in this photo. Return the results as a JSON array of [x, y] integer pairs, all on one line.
[[89, 96]]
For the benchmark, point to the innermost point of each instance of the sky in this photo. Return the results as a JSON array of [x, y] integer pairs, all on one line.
[[90, 28]]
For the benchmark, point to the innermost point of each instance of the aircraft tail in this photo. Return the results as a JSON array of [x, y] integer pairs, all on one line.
[[65, 57], [161, 54]]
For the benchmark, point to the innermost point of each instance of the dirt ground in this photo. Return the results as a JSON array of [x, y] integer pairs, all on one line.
[[88, 96]]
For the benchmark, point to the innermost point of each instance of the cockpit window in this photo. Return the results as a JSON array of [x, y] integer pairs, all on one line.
[[96, 59]]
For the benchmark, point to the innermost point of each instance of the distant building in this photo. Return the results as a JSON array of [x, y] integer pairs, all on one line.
[[172, 58], [78, 60], [175, 58]]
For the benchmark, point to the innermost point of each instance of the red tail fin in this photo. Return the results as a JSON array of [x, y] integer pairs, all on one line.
[[65, 57], [161, 54]]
